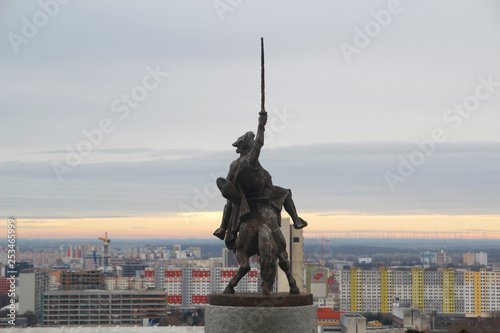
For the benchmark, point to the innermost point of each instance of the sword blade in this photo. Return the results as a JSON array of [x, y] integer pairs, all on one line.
[[262, 83]]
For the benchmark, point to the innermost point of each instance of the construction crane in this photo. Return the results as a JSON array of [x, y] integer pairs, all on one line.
[[106, 241]]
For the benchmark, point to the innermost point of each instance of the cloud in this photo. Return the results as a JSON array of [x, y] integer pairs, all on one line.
[[113, 154], [324, 178], [64, 79], [160, 159]]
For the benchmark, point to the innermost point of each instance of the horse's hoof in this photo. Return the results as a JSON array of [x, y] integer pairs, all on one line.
[[229, 290], [267, 292], [294, 290]]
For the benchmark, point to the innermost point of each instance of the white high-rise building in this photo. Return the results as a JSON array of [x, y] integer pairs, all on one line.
[[482, 258], [31, 288], [295, 249]]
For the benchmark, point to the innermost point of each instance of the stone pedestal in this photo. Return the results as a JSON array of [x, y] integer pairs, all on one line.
[[254, 312]]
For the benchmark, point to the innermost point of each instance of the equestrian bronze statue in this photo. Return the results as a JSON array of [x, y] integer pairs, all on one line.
[[252, 215]]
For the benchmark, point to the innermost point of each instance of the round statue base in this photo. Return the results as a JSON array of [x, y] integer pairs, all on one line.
[[254, 312]]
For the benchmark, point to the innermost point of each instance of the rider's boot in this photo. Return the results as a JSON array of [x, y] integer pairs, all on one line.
[[298, 223], [221, 232]]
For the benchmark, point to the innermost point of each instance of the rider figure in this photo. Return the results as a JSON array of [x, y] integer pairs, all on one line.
[[248, 184]]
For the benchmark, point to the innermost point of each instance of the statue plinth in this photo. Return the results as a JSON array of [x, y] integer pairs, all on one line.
[[253, 300], [255, 312]]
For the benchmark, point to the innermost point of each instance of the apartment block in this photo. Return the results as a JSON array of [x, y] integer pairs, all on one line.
[[229, 258], [432, 291], [401, 286], [4, 286], [98, 307], [482, 258], [469, 259], [188, 286], [428, 258], [440, 258], [444, 290], [443, 258]]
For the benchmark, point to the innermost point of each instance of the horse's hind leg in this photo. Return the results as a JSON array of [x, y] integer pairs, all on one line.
[[267, 256], [284, 264], [243, 260]]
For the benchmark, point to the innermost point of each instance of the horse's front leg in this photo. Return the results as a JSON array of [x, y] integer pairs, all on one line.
[[284, 264]]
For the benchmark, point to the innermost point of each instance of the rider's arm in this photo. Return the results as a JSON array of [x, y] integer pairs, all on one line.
[[260, 130], [259, 139]]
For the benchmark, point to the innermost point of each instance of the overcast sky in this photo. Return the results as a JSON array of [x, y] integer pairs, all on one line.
[[163, 88]]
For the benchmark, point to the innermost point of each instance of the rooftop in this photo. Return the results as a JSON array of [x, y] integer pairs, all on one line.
[[327, 313]]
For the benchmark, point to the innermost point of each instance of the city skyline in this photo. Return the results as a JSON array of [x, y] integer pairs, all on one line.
[[382, 115], [199, 226]]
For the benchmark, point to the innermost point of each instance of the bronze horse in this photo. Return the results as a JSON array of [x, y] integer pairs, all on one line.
[[256, 237]]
